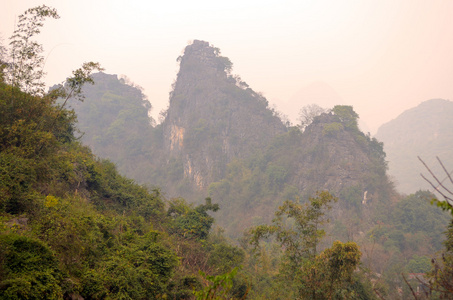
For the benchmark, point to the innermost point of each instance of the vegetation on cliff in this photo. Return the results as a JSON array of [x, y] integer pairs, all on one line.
[[72, 227], [219, 139]]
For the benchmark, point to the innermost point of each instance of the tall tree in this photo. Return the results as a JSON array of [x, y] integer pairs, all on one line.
[[347, 116], [330, 274], [26, 65], [298, 230], [300, 239], [308, 113]]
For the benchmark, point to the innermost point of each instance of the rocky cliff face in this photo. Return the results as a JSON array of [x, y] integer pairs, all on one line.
[[214, 117], [337, 158], [328, 155], [220, 139]]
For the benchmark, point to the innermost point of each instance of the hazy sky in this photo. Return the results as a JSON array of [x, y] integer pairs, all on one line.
[[382, 57]]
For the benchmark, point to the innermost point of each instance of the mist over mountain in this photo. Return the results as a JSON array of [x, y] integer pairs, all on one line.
[[318, 92], [220, 147], [224, 199], [213, 116], [220, 138], [423, 131], [113, 120]]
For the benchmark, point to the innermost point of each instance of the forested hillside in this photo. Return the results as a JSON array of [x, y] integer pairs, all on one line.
[[302, 213], [113, 120], [219, 138], [331, 154], [72, 227]]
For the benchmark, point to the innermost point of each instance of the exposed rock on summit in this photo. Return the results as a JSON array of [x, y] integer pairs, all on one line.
[[214, 117]]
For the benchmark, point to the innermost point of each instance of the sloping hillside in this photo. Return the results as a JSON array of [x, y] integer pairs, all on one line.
[[214, 117], [220, 138], [331, 154], [425, 131], [113, 120]]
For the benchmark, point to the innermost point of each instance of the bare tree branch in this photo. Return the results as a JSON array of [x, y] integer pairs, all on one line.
[[440, 184], [436, 189], [443, 167], [412, 290]]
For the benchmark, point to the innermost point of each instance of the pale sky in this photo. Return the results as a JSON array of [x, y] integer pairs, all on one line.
[[383, 57]]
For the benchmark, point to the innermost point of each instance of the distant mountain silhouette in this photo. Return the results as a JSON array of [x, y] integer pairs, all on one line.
[[425, 131]]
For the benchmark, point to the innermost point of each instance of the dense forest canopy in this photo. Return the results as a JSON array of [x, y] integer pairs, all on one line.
[[307, 212]]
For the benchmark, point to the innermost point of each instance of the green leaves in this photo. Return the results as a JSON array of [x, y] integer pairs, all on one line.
[[73, 85], [189, 222], [298, 230], [29, 269], [297, 227], [347, 116], [26, 67], [17, 177], [329, 275], [444, 205], [217, 287], [224, 257], [140, 271]]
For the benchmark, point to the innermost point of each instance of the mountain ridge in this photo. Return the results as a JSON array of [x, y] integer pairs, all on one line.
[[220, 111], [422, 131], [219, 138]]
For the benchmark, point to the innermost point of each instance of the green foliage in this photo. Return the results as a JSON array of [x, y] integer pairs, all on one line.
[[332, 128], [329, 275], [32, 127], [347, 116], [224, 64], [415, 207], [409, 211], [189, 222], [217, 287], [32, 130], [419, 264], [444, 205], [304, 273], [353, 197], [29, 269], [376, 147], [121, 192], [276, 176], [224, 257], [26, 68], [441, 275], [184, 287], [137, 272], [297, 228], [16, 176], [115, 124]]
